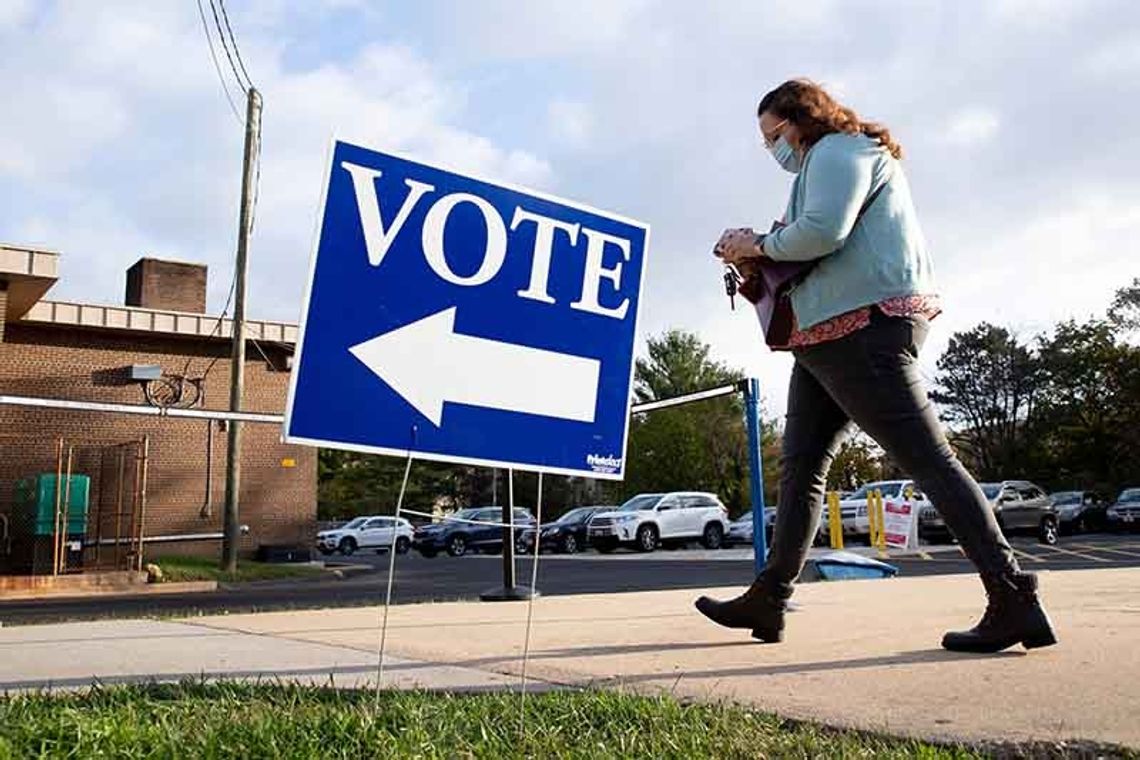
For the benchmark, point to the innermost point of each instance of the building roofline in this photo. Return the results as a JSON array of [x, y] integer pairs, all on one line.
[[135, 319]]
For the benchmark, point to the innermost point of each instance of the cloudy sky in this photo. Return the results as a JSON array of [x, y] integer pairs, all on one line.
[[1020, 119]]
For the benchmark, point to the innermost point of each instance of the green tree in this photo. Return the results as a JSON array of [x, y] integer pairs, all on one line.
[[859, 460], [987, 385], [1124, 312], [700, 446], [350, 483], [1088, 418]]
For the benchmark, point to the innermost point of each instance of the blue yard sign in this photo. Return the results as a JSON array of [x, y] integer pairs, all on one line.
[[466, 320]]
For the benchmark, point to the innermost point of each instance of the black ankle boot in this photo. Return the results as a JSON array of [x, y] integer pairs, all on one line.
[[760, 608], [1013, 616]]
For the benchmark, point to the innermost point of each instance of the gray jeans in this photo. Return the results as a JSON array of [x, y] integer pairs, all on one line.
[[870, 378]]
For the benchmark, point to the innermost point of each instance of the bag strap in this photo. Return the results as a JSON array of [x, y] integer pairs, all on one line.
[[874, 195]]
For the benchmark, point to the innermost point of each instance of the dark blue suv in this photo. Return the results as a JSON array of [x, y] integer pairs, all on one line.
[[468, 530], [568, 533]]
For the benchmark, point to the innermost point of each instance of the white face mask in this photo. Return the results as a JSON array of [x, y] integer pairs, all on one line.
[[786, 156]]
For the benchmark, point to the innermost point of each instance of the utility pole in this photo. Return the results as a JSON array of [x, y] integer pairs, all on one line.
[[230, 528]]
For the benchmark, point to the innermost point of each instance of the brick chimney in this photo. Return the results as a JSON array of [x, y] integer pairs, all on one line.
[[167, 285]]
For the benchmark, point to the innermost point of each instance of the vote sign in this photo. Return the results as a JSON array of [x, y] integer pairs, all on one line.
[[464, 320]]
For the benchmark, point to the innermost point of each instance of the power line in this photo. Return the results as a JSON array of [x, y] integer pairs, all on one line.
[[214, 330], [233, 40], [226, 47], [217, 66]]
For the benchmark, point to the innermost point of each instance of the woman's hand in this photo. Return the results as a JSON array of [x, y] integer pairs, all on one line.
[[738, 245]]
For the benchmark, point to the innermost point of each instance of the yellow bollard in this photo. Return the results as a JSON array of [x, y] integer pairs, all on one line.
[[879, 533], [871, 517], [834, 520]]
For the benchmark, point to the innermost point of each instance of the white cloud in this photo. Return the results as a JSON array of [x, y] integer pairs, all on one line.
[[108, 159], [1032, 12], [1119, 57], [570, 121], [971, 126], [511, 30], [14, 12]]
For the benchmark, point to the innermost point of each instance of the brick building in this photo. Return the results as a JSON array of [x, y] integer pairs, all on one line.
[[85, 352]]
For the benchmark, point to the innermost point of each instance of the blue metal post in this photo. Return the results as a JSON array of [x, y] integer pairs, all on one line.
[[756, 471]]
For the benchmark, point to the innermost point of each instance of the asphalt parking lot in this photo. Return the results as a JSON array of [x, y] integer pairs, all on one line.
[[446, 578]]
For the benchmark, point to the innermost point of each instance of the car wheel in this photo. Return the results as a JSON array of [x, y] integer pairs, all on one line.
[[713, 537], [522, 546], [1048, 532], [347, 546], [646, 540], [570, 544], [457, 546], [402, 545]]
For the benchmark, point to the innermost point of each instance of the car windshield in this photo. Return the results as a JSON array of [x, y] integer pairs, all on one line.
[[889, 489], [1067, 497], [354, 523], [575, 515], [640, 503], [746, 517], [991, 490], [1129, 494]]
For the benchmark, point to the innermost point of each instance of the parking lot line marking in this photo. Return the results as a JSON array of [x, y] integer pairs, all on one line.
[[1027, 555], [1127, 546], [1109, 550], [1074, 554]]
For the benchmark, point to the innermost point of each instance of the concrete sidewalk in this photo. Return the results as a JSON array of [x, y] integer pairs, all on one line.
[[76, 655], [862, 654], [859, 653]]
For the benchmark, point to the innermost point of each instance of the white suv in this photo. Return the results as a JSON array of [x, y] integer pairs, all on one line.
[[375, 532], [648, 519]]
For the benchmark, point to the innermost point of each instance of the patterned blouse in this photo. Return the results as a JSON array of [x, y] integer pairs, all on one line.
[[928, 306]]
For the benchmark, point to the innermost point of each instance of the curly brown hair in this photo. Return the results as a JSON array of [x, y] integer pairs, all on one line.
[[815, 113]]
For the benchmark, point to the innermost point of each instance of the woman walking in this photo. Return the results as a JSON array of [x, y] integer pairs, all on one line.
[[861, 315]]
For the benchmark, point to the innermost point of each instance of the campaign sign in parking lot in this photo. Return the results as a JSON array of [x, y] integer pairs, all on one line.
[[466, 320], [900, 520]]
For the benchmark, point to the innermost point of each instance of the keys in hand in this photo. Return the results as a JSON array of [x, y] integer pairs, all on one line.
[[732, 282]]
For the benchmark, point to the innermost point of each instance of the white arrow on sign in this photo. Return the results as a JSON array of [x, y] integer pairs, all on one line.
[[428, 363]]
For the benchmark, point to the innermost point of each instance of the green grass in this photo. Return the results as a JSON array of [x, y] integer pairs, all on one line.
[[180, 569], [192, 720]]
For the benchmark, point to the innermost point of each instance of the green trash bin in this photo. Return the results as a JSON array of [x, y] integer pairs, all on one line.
[[34, 513]]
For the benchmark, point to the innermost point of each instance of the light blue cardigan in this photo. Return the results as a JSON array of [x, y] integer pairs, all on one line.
[[884, 256]]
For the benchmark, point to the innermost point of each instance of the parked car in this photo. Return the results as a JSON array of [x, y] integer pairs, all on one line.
[[472, 529], [853, 509], [1079, 510], [1125, 511], [740, 530], [373, 532], [568, 534], [1020, 506], [648, 519]]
